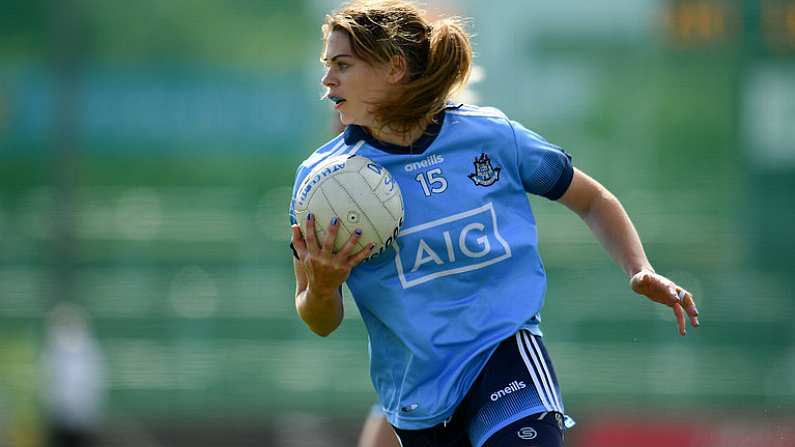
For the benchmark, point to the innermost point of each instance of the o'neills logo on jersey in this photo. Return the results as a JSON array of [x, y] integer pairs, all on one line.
[[513, 387], [434, 159]]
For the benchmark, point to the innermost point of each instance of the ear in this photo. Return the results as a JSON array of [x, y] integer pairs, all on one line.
[[398, 69]]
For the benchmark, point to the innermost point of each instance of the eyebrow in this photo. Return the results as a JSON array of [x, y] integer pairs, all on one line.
[[325, 59]]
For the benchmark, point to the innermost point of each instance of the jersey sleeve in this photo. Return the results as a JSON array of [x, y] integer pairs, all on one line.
[[545, 169], [300, 174], [298, 179]]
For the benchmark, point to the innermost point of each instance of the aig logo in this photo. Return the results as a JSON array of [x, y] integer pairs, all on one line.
[[455, 244]]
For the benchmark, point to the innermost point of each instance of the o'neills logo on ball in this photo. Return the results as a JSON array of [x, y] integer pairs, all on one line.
[[514, 386]]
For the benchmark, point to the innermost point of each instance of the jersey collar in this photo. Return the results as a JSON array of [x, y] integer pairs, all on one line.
[[354, 133]]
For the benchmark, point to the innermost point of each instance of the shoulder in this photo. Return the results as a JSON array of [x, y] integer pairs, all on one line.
[[481, 122], [497, 118], [335, 146], [466, 110], [332, 147]]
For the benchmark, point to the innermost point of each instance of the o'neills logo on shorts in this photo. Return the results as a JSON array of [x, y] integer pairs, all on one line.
[[514, 386]]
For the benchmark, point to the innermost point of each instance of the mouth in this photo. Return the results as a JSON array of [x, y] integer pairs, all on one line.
[[336, 100]]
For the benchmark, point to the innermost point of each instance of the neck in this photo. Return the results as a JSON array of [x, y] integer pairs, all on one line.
[[392, 136]]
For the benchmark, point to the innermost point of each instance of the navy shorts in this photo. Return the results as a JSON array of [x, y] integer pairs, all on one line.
[[515, 401]]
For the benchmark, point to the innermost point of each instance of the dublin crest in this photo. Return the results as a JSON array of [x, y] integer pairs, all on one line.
[[485, 174]]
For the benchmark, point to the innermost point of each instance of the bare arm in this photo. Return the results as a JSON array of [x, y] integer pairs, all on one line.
[[609, 222], [321, 310], [377, 432], [319, 274]]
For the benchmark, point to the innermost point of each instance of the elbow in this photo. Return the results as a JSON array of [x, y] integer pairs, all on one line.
[[325, 323], [322, 324], [322, 315], [322, 328], [323, 332]]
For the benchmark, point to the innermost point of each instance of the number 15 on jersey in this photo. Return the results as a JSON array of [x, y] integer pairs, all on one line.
[[432, 181]]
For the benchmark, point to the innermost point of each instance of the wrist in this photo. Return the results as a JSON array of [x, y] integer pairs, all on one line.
[[639, 269]]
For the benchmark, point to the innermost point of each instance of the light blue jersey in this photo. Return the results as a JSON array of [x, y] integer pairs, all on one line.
[[465, 272]]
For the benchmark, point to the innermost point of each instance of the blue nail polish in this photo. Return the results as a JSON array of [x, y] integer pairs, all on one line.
[[308, 216], [358, 231], [334, 220]]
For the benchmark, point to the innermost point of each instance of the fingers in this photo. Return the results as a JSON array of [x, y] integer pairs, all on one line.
[[361, 255], [297, 239], [311, 235], [689, 305], [683, 306], [309, 242], [671, 296], [345, 253], [331, 236], [350, 244], [664, 291], [680, 319]]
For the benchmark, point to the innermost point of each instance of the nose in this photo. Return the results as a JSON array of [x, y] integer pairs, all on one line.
[[328, 80]]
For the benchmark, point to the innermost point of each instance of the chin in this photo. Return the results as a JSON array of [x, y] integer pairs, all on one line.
[[346, 119]]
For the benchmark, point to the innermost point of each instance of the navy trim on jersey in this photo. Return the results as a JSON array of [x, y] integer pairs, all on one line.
[[354, 133], [563, 183]]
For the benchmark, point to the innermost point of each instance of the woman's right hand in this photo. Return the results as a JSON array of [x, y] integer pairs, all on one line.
[[326, 270]]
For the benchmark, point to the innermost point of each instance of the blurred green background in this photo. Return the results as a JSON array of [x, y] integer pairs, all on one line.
[[147, 151]]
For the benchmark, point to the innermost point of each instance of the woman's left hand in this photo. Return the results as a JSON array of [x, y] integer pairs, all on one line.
[[664, 291]]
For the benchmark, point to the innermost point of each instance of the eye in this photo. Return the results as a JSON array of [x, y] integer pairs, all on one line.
[[342, 66]]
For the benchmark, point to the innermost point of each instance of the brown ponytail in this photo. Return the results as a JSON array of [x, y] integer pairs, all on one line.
[[438, 56]]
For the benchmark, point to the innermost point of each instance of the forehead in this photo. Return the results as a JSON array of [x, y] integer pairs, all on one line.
[[338, 42]]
